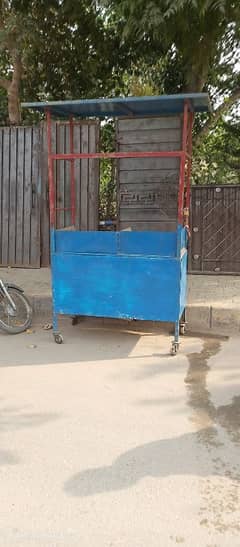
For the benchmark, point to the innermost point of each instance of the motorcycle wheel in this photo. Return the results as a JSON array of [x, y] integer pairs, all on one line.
[[11, 321]]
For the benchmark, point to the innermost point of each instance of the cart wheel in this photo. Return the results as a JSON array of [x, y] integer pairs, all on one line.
[[75, 320], [182, 329], [174, 348], [58, 338]]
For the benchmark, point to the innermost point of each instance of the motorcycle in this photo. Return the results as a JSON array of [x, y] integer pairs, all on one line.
[[15, 309]]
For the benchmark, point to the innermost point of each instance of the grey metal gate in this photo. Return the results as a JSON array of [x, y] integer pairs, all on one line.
[[20, 196], [24, 207], [85, 139], [215, 221]]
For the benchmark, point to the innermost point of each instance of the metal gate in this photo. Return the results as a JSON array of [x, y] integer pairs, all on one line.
[[19, 196], [24, 204], [85, 139], [215, 221]]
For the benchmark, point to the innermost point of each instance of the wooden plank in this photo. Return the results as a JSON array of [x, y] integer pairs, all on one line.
[[12, 197], [146, 214], [93, 182], [145, 136], [5, 195], [166, 226], [162, 197], [35, 206], [44, 200], [145, 204], [149, 176], [84, 179], [27, 196], [146, 164], [20, 196], [149, 187], [150, 147], [136, 124]]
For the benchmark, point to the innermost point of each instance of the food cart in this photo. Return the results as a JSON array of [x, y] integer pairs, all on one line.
[[130, 273]]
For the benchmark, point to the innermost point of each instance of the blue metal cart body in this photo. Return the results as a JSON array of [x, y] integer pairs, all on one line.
[[124, 274], [130, 275]]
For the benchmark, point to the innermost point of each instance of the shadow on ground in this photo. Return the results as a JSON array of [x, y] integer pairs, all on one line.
[[13, 418], [82, 343], [175, 456]]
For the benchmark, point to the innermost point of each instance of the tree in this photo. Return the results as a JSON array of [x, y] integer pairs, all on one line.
[[192, 43], [194, 30], [13, 31], [57, 49], [217, 158]]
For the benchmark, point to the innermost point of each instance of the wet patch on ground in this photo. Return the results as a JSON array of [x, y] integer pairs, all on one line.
[[217, 428]]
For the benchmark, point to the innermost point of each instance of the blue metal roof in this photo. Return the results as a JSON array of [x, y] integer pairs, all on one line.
[[125, 106]]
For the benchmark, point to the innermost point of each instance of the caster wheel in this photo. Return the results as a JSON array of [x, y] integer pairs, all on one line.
[[182, 329], [75, 320], [174, 348], [58, 338]]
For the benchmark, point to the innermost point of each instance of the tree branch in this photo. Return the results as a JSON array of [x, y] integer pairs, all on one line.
[[17, 68], [5, 83], [216, 115]]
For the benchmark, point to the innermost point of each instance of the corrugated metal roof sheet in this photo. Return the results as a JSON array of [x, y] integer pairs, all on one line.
[[124, 106]]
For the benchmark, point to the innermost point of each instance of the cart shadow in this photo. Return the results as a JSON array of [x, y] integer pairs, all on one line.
[[88, 344], [179, 455]]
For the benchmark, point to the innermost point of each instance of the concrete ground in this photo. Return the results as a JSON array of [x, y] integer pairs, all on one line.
[[213, 301], [107, 440]]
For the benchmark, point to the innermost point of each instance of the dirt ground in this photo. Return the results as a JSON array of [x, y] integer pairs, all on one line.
[[107, 440]]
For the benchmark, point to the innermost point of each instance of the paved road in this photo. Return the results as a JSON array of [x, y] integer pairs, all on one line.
[[109, 441]]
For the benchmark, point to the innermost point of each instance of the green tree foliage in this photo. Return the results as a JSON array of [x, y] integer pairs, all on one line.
[[64, 50], [217, 158], [193, 30], [187, 46], [107, 190]]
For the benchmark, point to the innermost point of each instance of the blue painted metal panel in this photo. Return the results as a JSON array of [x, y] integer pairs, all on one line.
[[85, 242], [161, 244], [116, 286], [122, 274], [183, 283], [131, 243], [183, 237], [125, 106]]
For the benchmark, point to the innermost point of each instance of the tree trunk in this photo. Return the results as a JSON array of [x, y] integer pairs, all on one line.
[[13, 90], [12, 87], [216, 115], [196, 77], [13, 104]]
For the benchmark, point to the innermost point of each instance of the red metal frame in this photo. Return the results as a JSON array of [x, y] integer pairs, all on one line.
[[184, 172], [115, 155], [189, 164], [72, 174], [50, 170]]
